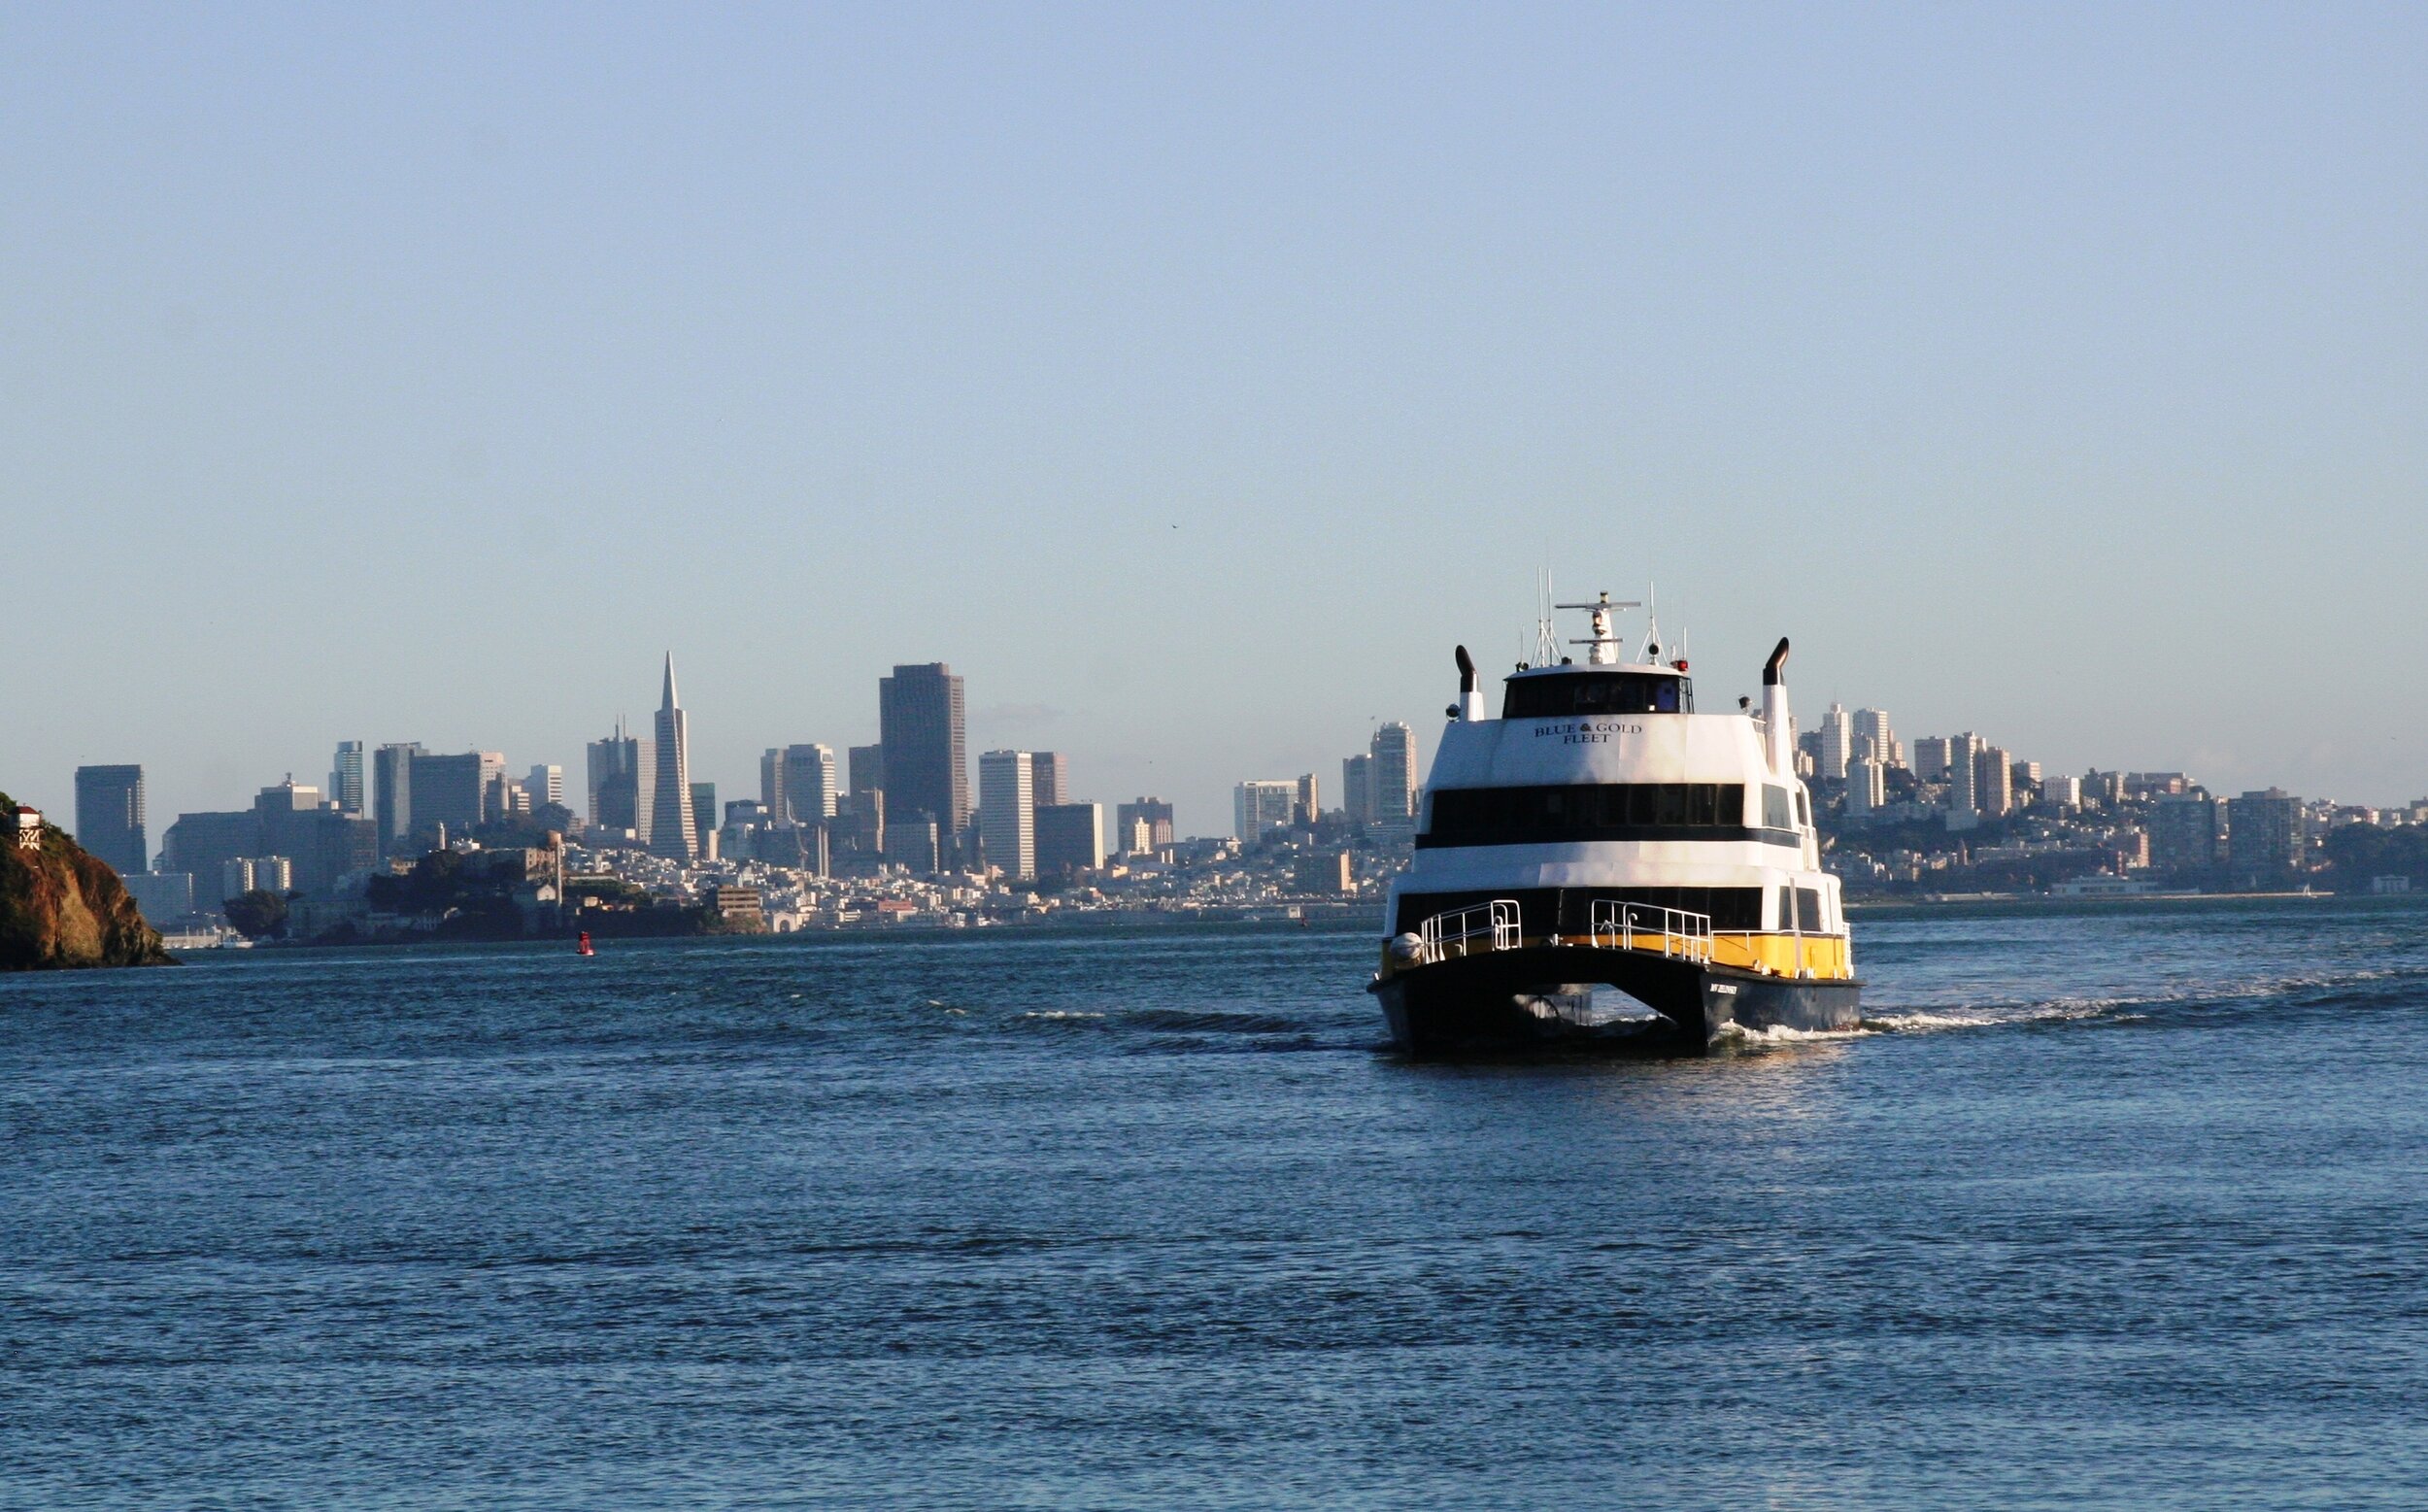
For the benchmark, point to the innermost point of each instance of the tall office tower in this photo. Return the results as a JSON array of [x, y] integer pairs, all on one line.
[[1070, 838], [622, 784], [162, 897], [1994, 780], [1258, 807], [867, 769], [1007, 811], [346, 778], [1838, 738], [704, 819], [392, 794], [926, 744], [110, 816], [1866, 788], [857, 834], [1873, 725], [771, 785], [320, 841], [1155, 813], [1395, 773], [1930, 759], [808, 783], [1310, 804], [1357, 789], [1049, 775], [546, 785], [458, 791], [671, 832], [2183, 833]]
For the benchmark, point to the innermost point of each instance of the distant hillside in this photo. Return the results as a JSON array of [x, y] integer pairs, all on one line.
[[60, 907]]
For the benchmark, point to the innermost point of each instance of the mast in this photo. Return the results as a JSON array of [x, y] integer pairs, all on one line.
[[1601, 648]]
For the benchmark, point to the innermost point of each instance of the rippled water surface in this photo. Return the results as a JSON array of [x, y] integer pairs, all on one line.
[[2124, 1206]]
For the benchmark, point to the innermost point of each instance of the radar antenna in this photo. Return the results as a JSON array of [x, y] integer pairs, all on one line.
[[1601, 648]]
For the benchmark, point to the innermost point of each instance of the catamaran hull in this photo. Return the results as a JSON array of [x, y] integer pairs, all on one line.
[[1550, 997]]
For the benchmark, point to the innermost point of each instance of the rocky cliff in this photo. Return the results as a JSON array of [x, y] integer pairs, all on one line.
[[61, 907]]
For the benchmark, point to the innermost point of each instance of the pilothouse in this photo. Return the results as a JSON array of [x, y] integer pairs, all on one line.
[[1603, 866]]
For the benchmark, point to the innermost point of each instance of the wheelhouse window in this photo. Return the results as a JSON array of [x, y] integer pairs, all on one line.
[[1585, 811], [1559, 695]]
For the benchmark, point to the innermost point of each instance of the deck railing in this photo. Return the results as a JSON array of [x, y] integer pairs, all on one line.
[[1647, 927], [1471, 930]]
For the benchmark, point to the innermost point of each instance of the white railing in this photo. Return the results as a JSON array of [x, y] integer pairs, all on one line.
[[1631, 926], [1469, 930]]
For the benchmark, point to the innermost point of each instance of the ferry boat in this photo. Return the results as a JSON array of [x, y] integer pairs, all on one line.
[[1604, 867]]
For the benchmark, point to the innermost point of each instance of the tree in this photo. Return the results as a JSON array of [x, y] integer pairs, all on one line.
[[257, 914]]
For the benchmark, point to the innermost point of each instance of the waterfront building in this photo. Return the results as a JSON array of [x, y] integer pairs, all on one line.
[[2264, 838], [1258, 807], [1324, 873], [1049, 776], [1006, 813], [245, 874], [922, 731], [1357, 789], [2183, 833], [1836, 744], [346, 778], [1394, 750], [110, 816], [1070, 837], [1155, 813], [671, 832], [162, 897]]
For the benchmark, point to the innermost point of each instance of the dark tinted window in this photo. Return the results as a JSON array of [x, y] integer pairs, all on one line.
[[1614, 811], [1551, 695]]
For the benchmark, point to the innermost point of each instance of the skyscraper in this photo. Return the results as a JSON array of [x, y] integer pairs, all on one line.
[[110, 816], [1357, 789], [1866, 788], [392, 794], [346, 778], [1310, 804], [807, 780], [867, 774], [1873, 725], [1007, 814], [926, 741], [1838, 738], [1394, 773], [1049, 774], [546, 784], [458, 791], [1993, 780], [671, 832], [622, 785], [703, 818]]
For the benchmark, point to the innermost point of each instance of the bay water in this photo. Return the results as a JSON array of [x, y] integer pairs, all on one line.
[[2119, 1205]]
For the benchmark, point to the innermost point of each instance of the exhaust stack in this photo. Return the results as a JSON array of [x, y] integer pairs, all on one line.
[[1778, 739], [1470, 697]]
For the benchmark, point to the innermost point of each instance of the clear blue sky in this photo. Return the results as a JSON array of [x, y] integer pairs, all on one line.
[[1192, 378]]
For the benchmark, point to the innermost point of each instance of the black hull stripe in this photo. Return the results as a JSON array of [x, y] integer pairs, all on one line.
[[1705, 834]]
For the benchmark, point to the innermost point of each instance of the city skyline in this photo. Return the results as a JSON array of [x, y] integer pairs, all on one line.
[[2071, 365]]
